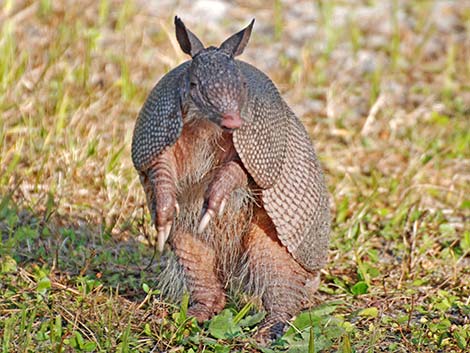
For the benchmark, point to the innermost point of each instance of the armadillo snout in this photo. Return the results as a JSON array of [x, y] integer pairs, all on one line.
[[231, 120]]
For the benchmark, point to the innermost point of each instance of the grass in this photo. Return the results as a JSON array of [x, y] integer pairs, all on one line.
[[386, 99]]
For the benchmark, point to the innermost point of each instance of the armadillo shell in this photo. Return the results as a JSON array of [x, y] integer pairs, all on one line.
[[160, 120], [298, 203], [261, 141], [277, 152]]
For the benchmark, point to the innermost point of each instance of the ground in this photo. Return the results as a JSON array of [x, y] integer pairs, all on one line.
[[384, 90]]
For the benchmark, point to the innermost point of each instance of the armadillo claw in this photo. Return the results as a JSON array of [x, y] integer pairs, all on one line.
[[177, 209], [209, 215], [162, 235], [222, 207], [163, 231], [230, 177], [205, 220]]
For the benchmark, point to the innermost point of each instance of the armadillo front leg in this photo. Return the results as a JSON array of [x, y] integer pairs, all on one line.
[[228, 178], [199, 264], [159, 183], [285, 285]]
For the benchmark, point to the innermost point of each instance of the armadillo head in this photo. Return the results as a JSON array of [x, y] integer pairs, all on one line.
[[216, 84], [217, 87]]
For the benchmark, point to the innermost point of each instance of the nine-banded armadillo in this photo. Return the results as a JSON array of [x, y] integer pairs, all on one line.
[[232, 182]]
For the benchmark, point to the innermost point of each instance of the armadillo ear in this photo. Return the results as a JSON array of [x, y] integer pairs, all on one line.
[[235, 44], [188, 41]]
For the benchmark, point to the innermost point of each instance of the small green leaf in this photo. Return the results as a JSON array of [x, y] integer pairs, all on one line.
[[147, 330], [447, 229], [89, 346], [347, 326], [8, 264], [311, 318], [373, 271], [369, 312], [459, 336], [57, 328], [43, 285], [443, 305], [218, 348], [183, 308], [360, 288], [303, 321], [77, 340], [222, 325], [426, 158], [440, 119], [146, 287], [465, 242], [266, 350], [252, 320], [465, 205]]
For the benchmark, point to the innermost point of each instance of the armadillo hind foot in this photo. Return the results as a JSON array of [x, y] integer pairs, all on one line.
[[284, 286], [269, 330], [199, 264]]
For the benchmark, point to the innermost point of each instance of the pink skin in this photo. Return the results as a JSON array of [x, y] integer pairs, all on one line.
[[231, 120]]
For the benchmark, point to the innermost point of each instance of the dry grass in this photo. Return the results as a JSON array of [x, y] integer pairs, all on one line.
[[384, 89]]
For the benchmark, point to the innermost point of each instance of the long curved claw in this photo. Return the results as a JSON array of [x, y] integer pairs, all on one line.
[[222, 207], [164, 224], [205, 220], [160, 187], [177, 209], [228, 178], [209, 215], [163, 234]]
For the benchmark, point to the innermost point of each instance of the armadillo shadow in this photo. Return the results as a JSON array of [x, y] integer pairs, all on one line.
[[70, 247]]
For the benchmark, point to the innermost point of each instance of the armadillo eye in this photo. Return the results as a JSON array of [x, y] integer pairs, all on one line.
[[193, 84]]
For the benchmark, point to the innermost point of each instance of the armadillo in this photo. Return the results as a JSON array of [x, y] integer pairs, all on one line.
[[232, 183]]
